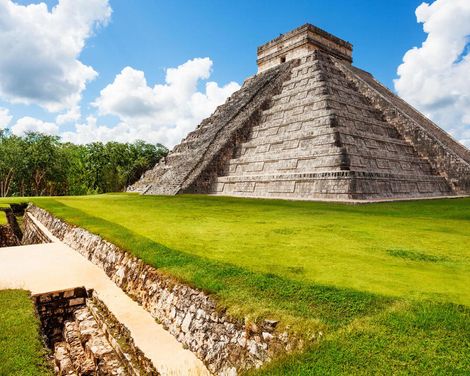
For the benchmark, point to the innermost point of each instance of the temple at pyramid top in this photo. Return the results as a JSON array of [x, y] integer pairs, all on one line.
[[301, 42], [310, 125]]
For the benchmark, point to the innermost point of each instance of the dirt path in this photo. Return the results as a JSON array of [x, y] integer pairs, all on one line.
[[55, 266]]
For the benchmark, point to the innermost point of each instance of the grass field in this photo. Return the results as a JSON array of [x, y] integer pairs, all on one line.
[[387, 284], [3, 217], [21, 350]]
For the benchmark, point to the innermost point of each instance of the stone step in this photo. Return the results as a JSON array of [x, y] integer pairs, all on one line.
[[319, 133], [321, 146], [85, 350], [374, 126], [97, 347], [296, 152], [266, 145], [299, 106], [323, 163]]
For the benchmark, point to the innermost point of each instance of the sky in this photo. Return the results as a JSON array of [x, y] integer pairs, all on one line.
[[120, 70]]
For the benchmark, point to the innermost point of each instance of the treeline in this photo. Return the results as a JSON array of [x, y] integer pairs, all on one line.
[[40, 165]]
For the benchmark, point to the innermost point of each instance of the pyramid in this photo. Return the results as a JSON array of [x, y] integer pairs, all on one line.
[[309, 125]]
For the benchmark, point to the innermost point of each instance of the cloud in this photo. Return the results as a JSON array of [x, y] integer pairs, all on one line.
[[5, 118], [74, 114], [436, 76], [164, 112], [29, 124], [40, 49], [91, 131]]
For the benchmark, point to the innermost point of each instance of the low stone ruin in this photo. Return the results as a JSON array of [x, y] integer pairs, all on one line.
[[85, 338]]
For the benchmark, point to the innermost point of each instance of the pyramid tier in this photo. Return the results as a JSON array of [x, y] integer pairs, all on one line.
[[333, 185]]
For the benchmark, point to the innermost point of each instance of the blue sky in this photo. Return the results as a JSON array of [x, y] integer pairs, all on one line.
[[154, 35], [151, 36]]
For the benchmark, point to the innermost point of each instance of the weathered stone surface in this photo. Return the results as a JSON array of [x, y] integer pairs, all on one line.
[[34, 235], [224, 344], [120, 339], [8, 237], [447, 157], [10, 234], [86, 338], [319, 129], [194, 163]]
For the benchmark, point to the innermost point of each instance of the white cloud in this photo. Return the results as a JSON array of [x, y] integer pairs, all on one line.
[[74, 114], [28, 124], [5, 118], [436, 76], [165, 112], [91, 131], [39, 59]]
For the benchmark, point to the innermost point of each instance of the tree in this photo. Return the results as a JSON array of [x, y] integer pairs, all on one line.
[[39, 164]]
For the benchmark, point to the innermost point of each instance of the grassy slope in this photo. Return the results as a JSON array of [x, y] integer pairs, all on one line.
[[3, 217], [419, 338], [356, 273], [21, 350], [417, 248]]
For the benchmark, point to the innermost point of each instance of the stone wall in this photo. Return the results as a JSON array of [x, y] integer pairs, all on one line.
[[224, 344], [32, 233], [120, 338], [8, 237], [55, 307]]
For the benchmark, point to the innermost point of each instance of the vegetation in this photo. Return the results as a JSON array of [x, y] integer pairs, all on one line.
[[373, 289], [22, 352], [419, 338], [39, 165], [3, 217]]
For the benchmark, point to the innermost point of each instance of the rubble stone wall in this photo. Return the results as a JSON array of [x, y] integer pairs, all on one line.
[[7, 237], [86, 338], [120, 338], [224, 344], [54, 308]]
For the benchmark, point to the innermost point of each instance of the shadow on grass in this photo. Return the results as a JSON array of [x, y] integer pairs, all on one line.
[[415, 255]]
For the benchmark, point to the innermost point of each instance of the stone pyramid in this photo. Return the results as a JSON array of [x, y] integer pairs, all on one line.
[[310, 125]]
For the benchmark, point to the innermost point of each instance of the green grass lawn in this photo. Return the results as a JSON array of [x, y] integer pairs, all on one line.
[[387, 284], [3, 217], [21, 350]]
